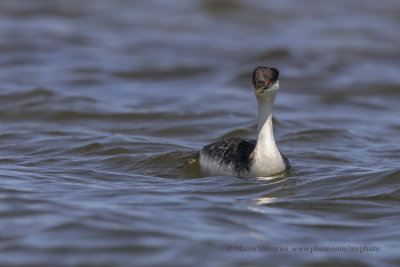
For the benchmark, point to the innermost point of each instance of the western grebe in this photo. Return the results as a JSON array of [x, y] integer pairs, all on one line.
[[244, 157]]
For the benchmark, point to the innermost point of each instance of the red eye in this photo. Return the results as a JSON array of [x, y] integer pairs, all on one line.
[[254, 82], [268, 83]]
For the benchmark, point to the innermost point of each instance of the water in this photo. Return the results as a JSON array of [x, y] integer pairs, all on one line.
[[102, 103]]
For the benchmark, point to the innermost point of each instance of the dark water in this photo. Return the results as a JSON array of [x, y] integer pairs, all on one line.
[[101, 103]]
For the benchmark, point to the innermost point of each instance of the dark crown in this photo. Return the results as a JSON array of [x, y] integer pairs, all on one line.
[[265, 74]]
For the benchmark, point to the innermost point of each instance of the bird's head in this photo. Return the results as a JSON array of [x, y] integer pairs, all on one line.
[[265, 81]]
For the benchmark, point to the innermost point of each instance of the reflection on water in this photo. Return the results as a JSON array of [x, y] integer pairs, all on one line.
[[264, 200], [104, 106]]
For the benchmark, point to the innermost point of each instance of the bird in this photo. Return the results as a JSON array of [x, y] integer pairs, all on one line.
[[247, 158]]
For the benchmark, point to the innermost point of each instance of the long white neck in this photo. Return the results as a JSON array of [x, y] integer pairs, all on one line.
[[265, 129], [268, 159]]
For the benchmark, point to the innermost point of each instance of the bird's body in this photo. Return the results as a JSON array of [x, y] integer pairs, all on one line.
[[249, 158], [229, 156]]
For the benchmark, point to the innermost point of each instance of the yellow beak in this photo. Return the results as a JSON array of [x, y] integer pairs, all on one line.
[[260, 90]]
